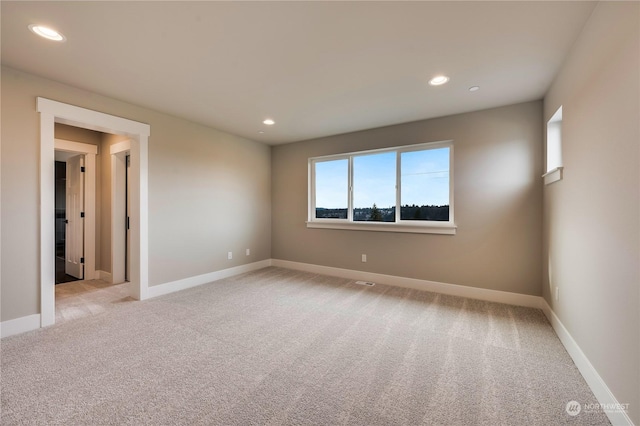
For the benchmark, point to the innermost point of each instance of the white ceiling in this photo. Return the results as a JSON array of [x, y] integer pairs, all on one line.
[[316, 68]]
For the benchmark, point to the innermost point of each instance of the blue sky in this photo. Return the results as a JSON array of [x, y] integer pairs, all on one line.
[[332, 178], [425, 179]]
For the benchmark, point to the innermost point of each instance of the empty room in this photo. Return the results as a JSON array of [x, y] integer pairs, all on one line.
[[331, 213]]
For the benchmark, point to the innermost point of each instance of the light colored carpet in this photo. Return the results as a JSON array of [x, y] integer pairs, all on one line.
[[277, 346]]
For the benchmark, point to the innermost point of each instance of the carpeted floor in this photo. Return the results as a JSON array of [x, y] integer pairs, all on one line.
[[277, 346]]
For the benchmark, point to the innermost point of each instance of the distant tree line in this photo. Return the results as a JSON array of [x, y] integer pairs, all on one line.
[[414, 212], [322, 213], [378, 214], [375, 214]]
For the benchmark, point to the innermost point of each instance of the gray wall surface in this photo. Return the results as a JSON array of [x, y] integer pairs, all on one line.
[[592, 216], [498, 195], [209, 192]]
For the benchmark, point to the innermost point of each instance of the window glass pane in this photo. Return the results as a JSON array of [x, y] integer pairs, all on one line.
[[425, 185], [374, 187], [554, 141], [332, 189]]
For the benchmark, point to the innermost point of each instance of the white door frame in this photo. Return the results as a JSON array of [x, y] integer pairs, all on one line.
[[52, 112], [90, 152]]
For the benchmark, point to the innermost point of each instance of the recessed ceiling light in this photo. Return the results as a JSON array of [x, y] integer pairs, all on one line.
[[47, 32], [260, 131], [474, 88], [438, 80], [269, 122]]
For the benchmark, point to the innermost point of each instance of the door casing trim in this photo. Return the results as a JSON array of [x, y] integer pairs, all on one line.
[[52, 112]]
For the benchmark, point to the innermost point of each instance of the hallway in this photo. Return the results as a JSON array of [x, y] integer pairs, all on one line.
[[81, 299]]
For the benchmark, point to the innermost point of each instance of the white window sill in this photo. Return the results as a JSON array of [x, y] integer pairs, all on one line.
[[553, 176], [443, 228]]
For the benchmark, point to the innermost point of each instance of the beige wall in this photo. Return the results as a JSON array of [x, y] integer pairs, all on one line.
[[209, 192], [77, 134], [592, 216], [498, 192], [103, 251]]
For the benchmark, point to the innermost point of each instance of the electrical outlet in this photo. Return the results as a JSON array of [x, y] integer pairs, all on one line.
[[557, 293], [364, 258], [230, 255], [248, 252]]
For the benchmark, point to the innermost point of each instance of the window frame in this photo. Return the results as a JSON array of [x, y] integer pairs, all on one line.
[[411, 226], [554, 168]]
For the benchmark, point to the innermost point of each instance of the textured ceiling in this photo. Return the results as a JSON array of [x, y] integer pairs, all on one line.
[[316, 68]]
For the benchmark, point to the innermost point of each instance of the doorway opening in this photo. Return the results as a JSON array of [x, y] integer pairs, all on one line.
[[64, 251], [75, 210], [52, 112], [80, 293]]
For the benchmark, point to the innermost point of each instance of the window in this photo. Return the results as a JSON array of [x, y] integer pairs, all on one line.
[[374, 187], [332, 189], [402, 189], [554, 148]]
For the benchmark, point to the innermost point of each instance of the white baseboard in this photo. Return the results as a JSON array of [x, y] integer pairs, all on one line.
[[436, 287], [104, 276], [19, 325], [598, 386], [170, 287]]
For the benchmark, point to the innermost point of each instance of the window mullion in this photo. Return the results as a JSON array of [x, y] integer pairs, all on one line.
[[350, 192], [312, 190], [451, 189], [398, 186]]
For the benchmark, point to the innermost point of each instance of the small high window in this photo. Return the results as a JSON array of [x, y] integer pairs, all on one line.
[[554, 148]]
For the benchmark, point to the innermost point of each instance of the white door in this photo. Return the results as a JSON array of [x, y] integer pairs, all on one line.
[[74, 235]]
